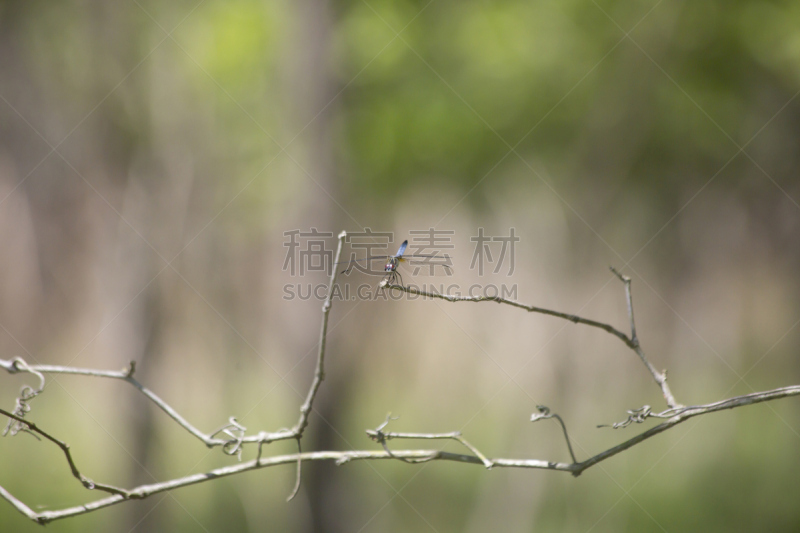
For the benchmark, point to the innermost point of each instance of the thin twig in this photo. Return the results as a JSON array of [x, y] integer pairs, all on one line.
[[319, 373], [342, 457], [298, 476], [20, 506], [18, 365], [676, 414], [660, 377], [530, 308], [27, 394], [631, 342], [683, 414], [125, 375], [381, 437], [85, 481], [544, 412]]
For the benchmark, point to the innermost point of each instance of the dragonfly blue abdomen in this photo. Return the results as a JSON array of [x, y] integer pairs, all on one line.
[[390, 268]]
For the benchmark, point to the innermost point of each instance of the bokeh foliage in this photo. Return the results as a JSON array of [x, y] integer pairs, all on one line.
[[152, 154]]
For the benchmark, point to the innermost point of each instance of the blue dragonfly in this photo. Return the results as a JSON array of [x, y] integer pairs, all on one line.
[[392, 261]]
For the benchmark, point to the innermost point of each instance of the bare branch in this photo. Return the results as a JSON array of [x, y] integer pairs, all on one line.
[[530, 308], [231, 446], [27, 394], [660, 377], [126, 375], [544, 412], [85, 481], [234, 434], [631, 342], [319, 373], [682, 414], [296, 488], [379, 436], [143, 491], [627, 282], [19, 506]]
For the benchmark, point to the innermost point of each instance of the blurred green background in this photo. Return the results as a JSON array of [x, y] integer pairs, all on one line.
[[153, 154]]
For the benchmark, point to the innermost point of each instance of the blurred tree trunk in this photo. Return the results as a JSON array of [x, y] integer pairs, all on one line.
[[313, 90]]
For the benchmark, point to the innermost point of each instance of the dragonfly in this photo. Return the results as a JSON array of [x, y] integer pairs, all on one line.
[[392, 262]]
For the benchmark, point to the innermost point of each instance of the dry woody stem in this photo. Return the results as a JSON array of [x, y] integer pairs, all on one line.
[[232, 438]]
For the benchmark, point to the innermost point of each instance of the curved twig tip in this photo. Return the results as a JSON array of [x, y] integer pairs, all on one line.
[[623, 278]]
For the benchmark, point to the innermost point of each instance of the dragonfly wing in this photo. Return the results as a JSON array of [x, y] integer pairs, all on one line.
[[362, 260], [411, 257], [402, 249], [417, 256]]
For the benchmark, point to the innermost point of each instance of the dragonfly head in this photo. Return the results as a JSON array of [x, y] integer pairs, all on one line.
[[391, 266]]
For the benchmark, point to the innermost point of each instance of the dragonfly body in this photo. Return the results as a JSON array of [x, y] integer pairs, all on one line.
[[392, 261]]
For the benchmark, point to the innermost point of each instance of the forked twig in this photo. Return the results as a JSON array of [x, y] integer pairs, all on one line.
[[236, 438], [126, 375], [343, 457], [85, 481], [660, 377], [378, 435], [631, 341], [232, 445]]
